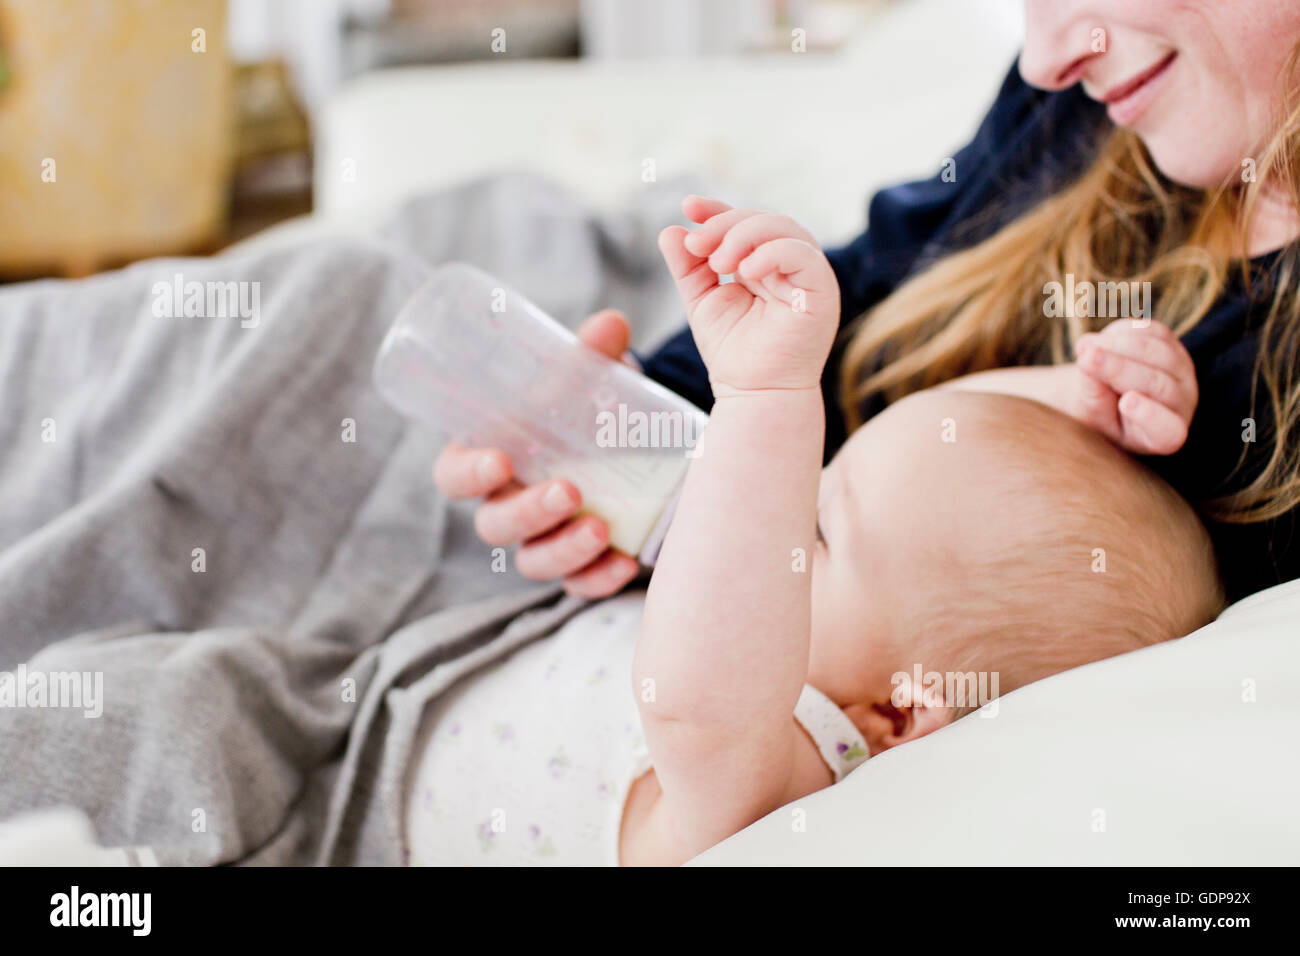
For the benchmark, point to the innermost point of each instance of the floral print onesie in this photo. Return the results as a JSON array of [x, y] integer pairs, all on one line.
[[528, 761]]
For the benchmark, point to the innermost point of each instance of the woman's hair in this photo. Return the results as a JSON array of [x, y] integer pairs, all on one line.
[[1121, 221]]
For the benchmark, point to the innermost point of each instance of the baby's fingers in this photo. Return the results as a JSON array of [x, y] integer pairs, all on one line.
[[691, 273], [704, 240], [1150, 428], [1096, 405], [1154, 343], [702, 209], [748, 234], [786, 267], [1125, 374]]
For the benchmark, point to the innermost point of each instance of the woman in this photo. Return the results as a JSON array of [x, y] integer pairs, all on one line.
[[1153, 142]]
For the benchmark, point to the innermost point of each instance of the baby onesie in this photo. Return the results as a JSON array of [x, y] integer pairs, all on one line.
[[528, 761]]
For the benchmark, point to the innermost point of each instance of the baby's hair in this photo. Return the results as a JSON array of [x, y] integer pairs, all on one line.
[[1096, 555]]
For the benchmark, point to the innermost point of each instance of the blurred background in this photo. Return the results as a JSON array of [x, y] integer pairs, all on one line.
[[137, 128]]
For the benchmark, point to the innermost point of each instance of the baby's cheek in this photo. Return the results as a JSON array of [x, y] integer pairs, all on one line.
[[823, 600]]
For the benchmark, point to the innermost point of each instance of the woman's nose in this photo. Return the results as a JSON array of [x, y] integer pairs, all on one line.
[[1061, 37]]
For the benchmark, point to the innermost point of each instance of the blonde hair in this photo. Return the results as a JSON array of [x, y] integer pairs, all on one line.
[[1096, 556], [1121, 221]]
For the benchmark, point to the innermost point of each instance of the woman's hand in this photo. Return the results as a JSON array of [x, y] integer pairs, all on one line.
[[539, 518], [771, 328], [1135, 384]]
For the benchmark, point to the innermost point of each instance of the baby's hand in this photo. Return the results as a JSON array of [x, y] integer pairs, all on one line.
[[772, 327], [1136, 385]]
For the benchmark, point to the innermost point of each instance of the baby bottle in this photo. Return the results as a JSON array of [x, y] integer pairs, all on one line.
[[481, 364]]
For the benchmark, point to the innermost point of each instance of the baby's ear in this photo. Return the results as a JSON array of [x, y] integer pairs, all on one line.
[[908, 714]]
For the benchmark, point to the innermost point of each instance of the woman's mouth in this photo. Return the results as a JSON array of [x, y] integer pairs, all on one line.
[[1126, 103]]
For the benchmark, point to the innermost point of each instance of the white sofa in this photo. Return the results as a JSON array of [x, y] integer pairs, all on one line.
[[811, 135], [1185, 753]]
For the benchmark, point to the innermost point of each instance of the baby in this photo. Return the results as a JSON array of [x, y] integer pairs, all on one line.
[[792, 607]]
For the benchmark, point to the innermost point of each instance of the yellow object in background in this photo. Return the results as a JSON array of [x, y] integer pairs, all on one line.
[[116, 132]]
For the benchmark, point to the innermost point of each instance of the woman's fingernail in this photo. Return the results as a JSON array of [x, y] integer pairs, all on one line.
[[1130, 402], [487, 469], [588, 538], [556, 499]]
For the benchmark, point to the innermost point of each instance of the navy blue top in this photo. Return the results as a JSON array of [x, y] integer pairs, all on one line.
[[1029, 145]]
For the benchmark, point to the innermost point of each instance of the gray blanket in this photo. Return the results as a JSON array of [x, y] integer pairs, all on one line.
[[217, 517]]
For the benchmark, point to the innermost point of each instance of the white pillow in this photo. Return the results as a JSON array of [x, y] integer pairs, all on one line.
[[812, 136], [1180, 754]]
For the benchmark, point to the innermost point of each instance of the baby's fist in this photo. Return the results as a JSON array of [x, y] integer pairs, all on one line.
[[773, 326], [1136, 385]]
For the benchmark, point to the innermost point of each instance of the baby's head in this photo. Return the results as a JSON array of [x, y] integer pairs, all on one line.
[[967, 532]]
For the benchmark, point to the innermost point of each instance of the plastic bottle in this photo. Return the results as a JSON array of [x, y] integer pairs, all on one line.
[[481, 364]]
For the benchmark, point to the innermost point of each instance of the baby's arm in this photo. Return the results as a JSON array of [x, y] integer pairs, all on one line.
[[1134, 382], [723, 650], [1049, 384]]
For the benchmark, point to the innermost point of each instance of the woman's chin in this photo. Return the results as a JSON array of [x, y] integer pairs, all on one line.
[[1191, 164]]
